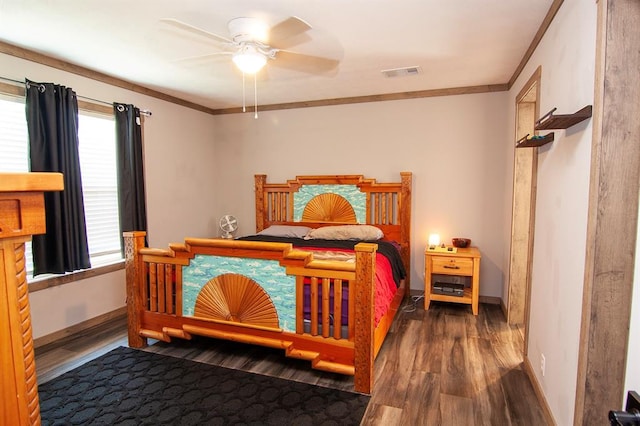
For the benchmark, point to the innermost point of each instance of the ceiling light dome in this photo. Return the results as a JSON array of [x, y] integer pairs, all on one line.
[[249, 60]]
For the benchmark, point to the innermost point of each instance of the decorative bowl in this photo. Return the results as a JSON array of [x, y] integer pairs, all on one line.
[[461, 242]]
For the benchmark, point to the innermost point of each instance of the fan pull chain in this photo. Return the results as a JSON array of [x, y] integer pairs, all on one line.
[[244, 101], [255, 94]]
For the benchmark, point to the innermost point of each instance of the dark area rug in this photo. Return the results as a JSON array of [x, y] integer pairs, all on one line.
[[134, 387]]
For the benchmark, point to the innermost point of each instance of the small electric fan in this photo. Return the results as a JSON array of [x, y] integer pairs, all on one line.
[[228, 225]]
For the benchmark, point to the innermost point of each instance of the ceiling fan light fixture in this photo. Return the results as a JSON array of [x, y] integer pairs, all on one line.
[[249, 60], [248, 29]]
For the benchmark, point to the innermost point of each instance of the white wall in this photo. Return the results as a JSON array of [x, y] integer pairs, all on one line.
[[57, 308], [454, 146], [567, 57], [179, 152]]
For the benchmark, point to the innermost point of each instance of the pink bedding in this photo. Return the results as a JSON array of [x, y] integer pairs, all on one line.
[[385, 287]]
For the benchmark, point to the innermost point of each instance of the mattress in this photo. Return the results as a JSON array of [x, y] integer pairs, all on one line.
[[390, 270]]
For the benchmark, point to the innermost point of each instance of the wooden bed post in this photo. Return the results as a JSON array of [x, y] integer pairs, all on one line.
[[133, 242], [405, 225], [364, 316], [22, 214], [260, 181]]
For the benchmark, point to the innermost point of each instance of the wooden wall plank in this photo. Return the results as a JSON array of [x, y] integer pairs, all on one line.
[[613, 213]]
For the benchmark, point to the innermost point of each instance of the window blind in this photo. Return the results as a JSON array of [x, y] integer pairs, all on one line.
[[99, 183], [97, 151]]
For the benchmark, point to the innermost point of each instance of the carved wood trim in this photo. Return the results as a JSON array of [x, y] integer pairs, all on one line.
[[134, 267], [22, 193], [27, 336]]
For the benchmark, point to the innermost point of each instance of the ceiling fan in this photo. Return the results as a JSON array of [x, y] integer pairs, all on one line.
[[251, 43]]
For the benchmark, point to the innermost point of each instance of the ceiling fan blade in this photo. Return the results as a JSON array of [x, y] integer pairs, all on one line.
[[287, 29], [190, 28], [305, 63], [198, 58]]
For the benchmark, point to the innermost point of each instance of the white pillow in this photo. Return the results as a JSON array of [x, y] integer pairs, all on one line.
[[289, 231], [345, 232]]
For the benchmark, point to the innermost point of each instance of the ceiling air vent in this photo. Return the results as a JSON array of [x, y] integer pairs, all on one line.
[[401, 72]]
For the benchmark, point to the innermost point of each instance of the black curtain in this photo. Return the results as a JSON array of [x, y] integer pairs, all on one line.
[[131, 195], [52, 122]]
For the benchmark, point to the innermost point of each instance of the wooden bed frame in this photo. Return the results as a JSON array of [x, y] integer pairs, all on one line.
[[155, 279]]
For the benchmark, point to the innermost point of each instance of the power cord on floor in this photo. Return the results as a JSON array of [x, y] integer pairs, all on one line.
[[412, 306]]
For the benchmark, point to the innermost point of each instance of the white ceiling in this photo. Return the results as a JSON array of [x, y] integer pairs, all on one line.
[[457, 43]]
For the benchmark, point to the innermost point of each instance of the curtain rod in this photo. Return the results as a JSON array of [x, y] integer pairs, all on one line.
[[144, 112]]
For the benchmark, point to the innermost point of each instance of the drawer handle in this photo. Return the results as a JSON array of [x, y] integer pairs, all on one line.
[[451, 267]]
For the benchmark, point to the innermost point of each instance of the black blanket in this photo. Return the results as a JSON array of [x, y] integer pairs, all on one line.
[[386, 248]]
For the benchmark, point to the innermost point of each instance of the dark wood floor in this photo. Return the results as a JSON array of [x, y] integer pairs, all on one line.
[[440, 367]]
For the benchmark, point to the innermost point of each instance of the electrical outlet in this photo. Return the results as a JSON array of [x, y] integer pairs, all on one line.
[[543, 364]]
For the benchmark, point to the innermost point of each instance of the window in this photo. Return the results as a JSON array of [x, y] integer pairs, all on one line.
[[99, 183], [97, 149]]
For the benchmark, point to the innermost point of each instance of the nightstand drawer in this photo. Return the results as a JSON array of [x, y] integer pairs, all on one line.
[[451, 265]]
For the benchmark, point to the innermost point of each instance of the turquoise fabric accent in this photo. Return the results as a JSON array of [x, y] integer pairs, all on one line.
[[268, 273], [351, 193]]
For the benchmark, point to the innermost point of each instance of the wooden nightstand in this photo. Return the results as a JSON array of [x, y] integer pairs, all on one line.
[[465, 262]]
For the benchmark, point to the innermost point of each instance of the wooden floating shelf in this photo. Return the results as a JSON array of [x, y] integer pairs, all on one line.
[[562, 121], [536, 141]]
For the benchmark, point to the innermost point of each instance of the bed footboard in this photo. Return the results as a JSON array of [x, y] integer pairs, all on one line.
[[193, 289]]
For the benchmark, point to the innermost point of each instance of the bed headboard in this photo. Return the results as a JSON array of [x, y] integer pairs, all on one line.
[[322, 200]]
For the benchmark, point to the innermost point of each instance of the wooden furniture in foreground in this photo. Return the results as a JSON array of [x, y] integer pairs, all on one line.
[[465, 262], [160, 283], [21, 216]]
